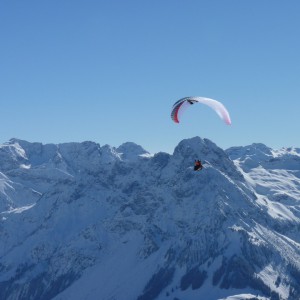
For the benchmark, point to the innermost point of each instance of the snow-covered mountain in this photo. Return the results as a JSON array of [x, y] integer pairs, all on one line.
[[84, 221]]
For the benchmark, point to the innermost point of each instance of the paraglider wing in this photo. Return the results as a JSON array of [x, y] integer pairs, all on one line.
[[217, 106], [178, 108]]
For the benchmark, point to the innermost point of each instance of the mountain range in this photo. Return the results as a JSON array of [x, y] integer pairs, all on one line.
[[84, 221]]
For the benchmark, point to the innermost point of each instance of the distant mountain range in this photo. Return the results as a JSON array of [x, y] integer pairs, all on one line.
[[84, 221]]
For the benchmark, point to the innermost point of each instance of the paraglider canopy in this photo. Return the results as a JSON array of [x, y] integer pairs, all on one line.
[[217, 106]]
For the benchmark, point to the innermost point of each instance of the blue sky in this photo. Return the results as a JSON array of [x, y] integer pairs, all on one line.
[[110, 71]]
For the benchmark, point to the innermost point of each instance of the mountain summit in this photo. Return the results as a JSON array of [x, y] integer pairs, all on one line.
[[84, 221]]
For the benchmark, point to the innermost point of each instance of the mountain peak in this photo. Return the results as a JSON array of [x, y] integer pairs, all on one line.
[[255, 152], [131, 151], [192, 147], [207, 151]]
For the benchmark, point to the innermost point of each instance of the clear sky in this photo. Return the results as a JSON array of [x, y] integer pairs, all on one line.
[[110, 71]]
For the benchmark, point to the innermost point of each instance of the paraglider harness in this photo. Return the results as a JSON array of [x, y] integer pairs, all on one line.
[[198, 165]]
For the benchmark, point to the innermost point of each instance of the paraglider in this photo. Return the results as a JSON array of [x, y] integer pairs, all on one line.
[[217, 106], [198, 165]]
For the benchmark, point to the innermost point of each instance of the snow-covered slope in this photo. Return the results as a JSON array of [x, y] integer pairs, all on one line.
[[84, 221], [275, 178]]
